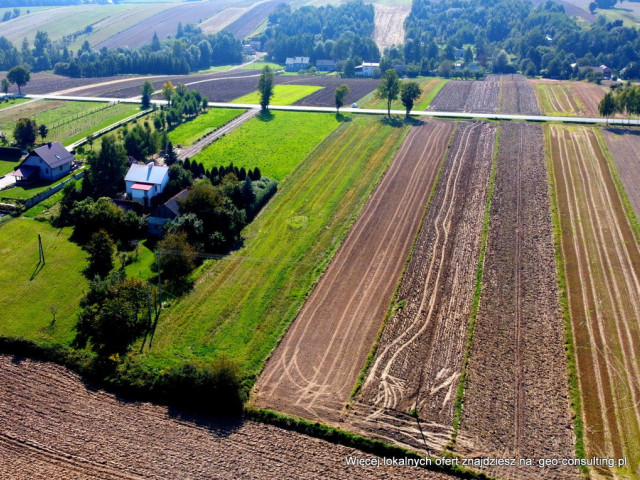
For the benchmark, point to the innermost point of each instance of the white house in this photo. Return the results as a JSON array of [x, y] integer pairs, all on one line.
[[368, 69], [145, 182], [295, 64], [49, 162]]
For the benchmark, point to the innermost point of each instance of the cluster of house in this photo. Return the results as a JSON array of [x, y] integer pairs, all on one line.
[[295, 64], [602, 69], [143, 182]]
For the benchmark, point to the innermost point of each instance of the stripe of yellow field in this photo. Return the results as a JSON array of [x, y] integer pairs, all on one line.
[[283, 94]]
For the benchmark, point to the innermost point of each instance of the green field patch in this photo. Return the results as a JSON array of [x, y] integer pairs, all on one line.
[[7, 166], [261, 65], [32, 292], [14, 101], [189, 132], [274, 142], [242, 304], [143, 260], [430, 88], [283, 95]]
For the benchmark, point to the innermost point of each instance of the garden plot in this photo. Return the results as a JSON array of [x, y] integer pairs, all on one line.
[[517, 95]]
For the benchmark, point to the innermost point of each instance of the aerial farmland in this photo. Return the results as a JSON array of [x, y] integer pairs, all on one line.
[[319, 239]]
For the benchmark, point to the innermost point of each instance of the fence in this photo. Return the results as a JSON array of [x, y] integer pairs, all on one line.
[[47, 193]]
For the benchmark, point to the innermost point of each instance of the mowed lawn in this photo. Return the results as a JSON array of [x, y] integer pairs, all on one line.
[[189, 132], [7, 166], [282, 94], [28, 295], [274, 142], [242, 305], [430, 88], [15, 101]]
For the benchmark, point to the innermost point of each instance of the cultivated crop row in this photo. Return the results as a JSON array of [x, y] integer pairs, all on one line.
[[517, 95]]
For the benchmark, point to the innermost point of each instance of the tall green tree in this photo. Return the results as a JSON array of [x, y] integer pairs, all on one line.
[[341, 93], [20, 76], [101, 249], [105, 177], [176, 257], [607, 106], [147, 92], [265, 87], [25, 132], [168, 90], [389, 88], [43, 131], [409, 93]]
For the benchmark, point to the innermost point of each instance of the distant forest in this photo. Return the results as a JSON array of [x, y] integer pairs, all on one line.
[[190, 50]]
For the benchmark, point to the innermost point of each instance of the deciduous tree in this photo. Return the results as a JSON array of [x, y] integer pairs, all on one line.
[[25, 132], [389, 88], [20, 76], [341, 93], [147, 91], [265, 87], [410, 92]]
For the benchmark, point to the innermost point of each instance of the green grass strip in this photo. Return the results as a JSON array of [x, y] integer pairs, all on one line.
[[394, 306], [622, 192], [574, 383], [348, 439], [476, 296]]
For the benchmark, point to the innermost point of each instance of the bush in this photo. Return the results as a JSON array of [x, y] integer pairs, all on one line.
[[10, 153]]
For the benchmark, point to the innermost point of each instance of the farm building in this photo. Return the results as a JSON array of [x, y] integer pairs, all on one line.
[[49, 162], [295, 64], [144, 182], [368, 69], [326, 65], [165, 213]]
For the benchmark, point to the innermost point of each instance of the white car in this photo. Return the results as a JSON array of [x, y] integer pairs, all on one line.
[[355, 105]]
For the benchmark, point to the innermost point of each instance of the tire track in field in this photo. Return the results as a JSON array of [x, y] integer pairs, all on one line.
[[315, 367], [607, 297], [417, 366]]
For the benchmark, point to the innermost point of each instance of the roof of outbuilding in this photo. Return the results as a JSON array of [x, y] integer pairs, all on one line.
[[170, 209], [53, 154], [147, 173]]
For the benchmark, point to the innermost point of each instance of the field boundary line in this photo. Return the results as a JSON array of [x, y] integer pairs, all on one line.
[[476, 296], [394, 305], [343, 437], [574, 380], [622, 192]]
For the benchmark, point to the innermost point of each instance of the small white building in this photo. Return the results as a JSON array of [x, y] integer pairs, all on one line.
[[145, 182], [368, 69], [295, 64]]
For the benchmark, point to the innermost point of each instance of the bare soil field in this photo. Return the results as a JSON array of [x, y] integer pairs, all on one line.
[[314, 369], [624, 145], [484, 96], [221, 20], [516, 402], [602, 269], [54, 426], [43, 82], [517, 95], [452, 97], [164, 24], [248, 22], [409, 393], [569, 98], [389, 24], [575, 8], [326, 97]]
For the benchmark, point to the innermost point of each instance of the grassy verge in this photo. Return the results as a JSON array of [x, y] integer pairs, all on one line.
[[624, 198], [28, 191], [395, 305], [32, 292], [189, 132], [8, 166], [574, 382], [430, 88], [274, 142], [245, 302], [476, 295], [282, 94], [13, 101]]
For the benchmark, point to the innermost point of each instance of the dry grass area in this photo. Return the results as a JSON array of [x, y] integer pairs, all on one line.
[[54, 426], [389, 24], [602, 269], [569, 98], [315, 367], [516, 401]]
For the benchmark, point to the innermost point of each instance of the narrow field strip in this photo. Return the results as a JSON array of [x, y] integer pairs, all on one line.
[[282, 94], [518, 345], [602, 262], [409, 393], [286, 249], [189, 132], [313, 370]]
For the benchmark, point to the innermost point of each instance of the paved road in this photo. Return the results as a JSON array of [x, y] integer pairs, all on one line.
[[370, 111]]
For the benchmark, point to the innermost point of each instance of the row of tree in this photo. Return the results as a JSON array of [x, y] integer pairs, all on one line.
[[623, 100]]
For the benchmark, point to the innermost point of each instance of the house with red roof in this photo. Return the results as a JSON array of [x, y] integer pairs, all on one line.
[[144, 182]]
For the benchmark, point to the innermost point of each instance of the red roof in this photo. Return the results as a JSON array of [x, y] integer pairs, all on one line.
[[141, 186]]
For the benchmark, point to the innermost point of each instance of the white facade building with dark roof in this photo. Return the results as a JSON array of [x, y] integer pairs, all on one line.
[[49, 162]]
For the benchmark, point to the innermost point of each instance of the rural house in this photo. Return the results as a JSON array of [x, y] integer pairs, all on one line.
[[165, 213], [49, 162], [326, 65], [368, 69], [144, 182], [295, 64]]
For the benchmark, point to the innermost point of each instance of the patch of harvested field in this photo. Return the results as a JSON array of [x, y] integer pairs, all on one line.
[[624, 145], [452, 97], [54, 426], [575, 8], [516, 401], [163, 24], [313, 370], [484, 96], [221, 20], [409, 394], [248, 22], [602, 269], [389, 24], [590, 96], [569, 98], [517, 95]]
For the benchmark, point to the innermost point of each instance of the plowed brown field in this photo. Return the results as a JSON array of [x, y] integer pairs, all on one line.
[[416, 368], [55, 427], [624, 145], [315, 367], [602, 266], [452, 97], [516, 401], [248, 22], [389, 24], [517, 95], [468, 96]]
